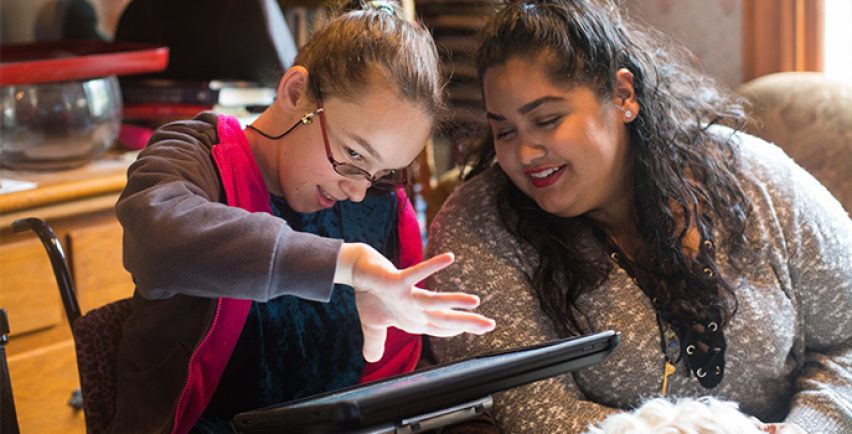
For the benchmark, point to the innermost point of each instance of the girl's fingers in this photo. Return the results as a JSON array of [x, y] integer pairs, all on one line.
[[439, 332], [418, 272], [444, 300], [374, 342], [460, 321]]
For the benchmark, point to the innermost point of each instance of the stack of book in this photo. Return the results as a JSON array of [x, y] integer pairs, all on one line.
[[152, 102], [455, 24]]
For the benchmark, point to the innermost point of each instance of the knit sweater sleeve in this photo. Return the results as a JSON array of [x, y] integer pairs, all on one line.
[[818, 239], [490, 263], [181, 238]]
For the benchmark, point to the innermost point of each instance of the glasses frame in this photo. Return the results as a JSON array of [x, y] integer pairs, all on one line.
[[352, 171]]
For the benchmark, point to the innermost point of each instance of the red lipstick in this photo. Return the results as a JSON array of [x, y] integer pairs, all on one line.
[[542, 177]]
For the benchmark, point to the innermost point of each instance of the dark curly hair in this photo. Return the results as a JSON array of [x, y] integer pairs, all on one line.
[[682, 172]]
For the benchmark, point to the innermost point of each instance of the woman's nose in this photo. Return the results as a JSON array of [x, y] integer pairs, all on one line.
[[355, 189], [529, 151]]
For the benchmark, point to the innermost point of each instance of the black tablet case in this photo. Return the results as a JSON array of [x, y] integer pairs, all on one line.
[[395, 399]]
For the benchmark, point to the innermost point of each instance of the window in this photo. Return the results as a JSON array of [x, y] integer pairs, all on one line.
[[838, 39]]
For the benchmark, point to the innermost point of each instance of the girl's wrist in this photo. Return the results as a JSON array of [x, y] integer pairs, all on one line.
[[346, 259]]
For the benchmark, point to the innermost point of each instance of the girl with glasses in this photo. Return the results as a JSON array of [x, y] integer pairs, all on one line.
[[266, 267], [616, 192]]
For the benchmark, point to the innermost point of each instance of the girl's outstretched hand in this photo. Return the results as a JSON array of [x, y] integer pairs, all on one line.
[[386, 296]]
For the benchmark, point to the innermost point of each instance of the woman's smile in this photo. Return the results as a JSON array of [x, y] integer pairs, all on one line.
[[542, 177]]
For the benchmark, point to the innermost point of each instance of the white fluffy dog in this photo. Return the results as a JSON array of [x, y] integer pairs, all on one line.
[[684, 416]]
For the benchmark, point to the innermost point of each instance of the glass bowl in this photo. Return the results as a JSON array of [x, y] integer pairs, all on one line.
[[58, 125]]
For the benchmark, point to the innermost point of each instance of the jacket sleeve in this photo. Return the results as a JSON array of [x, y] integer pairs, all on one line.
[[819, 243], [180, 237], [489, 263]]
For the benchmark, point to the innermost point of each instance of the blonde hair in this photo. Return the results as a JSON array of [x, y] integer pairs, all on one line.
[[376, 45], [684, 416]]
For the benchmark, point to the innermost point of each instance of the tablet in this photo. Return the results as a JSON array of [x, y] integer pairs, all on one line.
[[461, 388]]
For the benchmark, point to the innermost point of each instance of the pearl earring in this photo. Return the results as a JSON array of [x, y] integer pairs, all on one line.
[[628, 114]]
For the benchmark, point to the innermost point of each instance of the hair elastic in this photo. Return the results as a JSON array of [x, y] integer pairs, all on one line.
[[382, 6]]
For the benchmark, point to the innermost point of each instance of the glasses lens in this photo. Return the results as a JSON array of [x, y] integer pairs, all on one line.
[[351, 171], [392, 179], [389, 179]]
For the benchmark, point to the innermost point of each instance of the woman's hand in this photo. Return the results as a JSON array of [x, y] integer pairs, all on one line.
[[386, 296], [778, 428]]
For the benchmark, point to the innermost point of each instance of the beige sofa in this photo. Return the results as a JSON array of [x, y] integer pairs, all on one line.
[[810, 117]]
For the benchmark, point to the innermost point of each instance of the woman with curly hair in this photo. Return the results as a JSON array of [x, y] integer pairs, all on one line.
[[616, 192]]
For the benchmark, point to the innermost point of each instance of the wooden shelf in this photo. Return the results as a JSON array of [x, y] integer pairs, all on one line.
[[93, 187], [104, 175], [78, 204]]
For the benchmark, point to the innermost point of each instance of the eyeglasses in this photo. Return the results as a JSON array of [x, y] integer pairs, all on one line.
[[383, 179]]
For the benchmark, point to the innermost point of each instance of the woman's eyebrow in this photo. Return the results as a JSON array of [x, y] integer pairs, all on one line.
[[526, 108], [530, 106]]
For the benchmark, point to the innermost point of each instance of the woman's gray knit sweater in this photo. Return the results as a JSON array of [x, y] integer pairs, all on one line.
[[789, 354]]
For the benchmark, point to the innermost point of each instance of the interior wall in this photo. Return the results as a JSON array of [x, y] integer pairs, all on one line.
[[710, 29], [18, 17]]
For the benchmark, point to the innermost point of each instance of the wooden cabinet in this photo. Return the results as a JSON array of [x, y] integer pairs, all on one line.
[[78, 204], [42, 382]]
